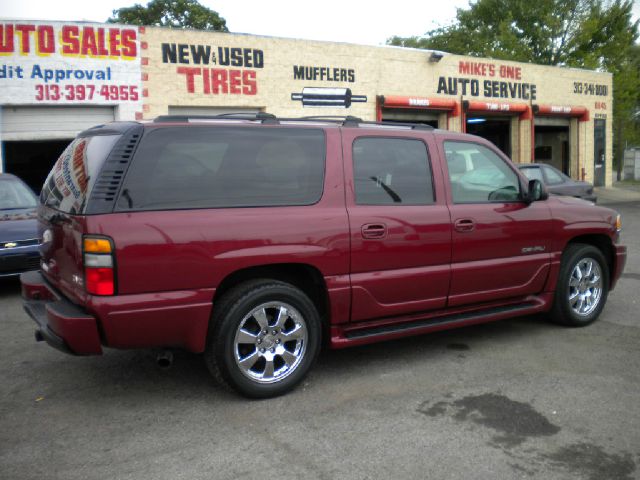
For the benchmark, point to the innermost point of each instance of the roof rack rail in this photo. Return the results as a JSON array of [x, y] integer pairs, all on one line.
[[268, 118], [412, 126], [347, 120], [262, 116], [351, 121]]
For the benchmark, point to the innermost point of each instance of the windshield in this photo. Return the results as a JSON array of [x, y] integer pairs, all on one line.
[[532, 173], [14, 195]]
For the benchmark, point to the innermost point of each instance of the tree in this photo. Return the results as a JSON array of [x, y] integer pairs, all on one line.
[[592, 34], [626, 102], [577, 33], [171, 13]]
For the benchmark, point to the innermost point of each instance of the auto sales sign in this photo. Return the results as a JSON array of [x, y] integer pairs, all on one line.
[[69, 63]]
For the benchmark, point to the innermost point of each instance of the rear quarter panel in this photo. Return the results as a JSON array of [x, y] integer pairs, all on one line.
[[169, 263], [190, 249]]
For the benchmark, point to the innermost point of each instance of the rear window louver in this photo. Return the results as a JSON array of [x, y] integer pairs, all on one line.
[[105, 191]]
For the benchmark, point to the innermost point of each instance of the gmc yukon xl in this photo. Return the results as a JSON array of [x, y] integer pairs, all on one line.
[[254, 240]]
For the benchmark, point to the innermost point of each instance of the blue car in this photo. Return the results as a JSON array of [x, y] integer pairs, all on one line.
[[19, 243]]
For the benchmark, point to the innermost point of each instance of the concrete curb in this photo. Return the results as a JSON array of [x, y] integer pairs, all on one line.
[[617, 194]]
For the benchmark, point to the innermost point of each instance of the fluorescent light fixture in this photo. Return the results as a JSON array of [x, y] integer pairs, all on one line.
[[476, 120]]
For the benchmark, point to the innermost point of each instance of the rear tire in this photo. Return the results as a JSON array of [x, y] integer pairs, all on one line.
[[583, 286], [265, 338]]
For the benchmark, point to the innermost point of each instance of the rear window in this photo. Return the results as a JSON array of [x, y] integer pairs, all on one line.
[[71, 180], [209, 167]]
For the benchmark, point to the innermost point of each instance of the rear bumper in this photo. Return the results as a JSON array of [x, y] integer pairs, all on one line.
[[618, 266], [62, 324]]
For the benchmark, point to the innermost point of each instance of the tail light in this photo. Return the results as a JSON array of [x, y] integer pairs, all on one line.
[[99, 265]]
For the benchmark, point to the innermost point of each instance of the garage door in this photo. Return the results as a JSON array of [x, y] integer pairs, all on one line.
[[48, 123], [409, 115], [552, 121], [210, 110]]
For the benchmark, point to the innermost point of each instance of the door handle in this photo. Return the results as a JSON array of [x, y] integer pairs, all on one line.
[[464, 225], [374, 230]]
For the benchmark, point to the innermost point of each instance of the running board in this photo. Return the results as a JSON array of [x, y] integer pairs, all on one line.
[[359, 335]]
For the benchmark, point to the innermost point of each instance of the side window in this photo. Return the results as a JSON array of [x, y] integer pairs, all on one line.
[[479, 175], [391, 171], [209, 167], [553, 177]]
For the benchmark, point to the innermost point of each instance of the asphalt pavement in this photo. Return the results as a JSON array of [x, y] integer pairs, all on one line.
[[517, 399]]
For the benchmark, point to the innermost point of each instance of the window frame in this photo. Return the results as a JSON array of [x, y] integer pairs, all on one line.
[[430, 173]]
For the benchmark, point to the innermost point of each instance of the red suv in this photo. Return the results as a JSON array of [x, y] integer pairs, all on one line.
[[253, 239]]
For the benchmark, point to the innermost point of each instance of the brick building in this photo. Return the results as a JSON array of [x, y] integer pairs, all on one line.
[[57, 78]]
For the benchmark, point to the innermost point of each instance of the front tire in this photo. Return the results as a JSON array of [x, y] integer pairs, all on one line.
[[583, 286], [266, 337]]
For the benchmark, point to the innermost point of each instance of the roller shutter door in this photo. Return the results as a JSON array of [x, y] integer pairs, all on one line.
[[49, 123], [552, 121], [408, 115]]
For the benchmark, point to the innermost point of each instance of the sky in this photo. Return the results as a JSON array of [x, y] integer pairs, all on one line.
[[364, 22], [354, 21]]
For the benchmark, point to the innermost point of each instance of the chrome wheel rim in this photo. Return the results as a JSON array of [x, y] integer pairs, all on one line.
[[270, 342], [585, 287]]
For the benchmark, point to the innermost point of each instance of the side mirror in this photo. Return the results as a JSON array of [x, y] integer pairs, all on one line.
[[537, 191]]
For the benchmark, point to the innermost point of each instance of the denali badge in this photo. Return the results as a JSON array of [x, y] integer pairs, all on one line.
[[535, 249], [10, 245]]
